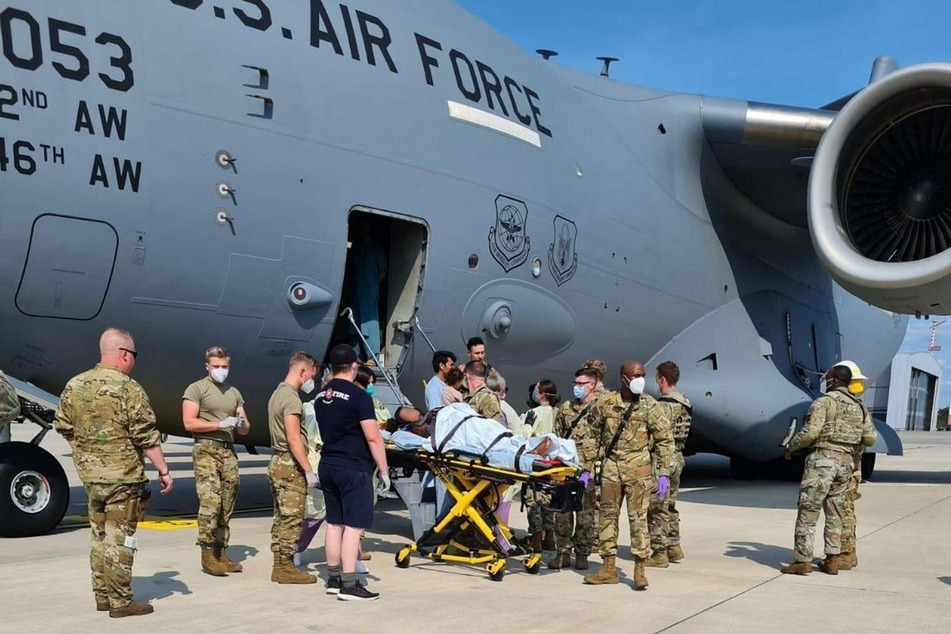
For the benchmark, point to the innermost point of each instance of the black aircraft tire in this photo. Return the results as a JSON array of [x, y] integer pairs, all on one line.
[[868, 465], [743, 469], [34, 492]]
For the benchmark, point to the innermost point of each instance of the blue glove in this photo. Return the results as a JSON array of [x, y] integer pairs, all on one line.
[[663, 485]]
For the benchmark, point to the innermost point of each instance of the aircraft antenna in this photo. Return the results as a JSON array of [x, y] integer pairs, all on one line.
[[546, 53], [934, 326], [606, 64]]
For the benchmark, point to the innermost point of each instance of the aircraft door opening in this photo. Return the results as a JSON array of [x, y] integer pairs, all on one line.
[[386, 261]]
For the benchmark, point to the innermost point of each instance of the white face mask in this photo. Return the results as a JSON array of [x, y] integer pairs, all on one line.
[[308, 387], [218, 375], [637, 385]]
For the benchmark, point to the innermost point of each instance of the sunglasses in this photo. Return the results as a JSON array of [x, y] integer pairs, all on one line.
[[135, 355]]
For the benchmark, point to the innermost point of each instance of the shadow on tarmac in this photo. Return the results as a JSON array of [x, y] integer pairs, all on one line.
[[239, 552], [160, 585], [763, 554], [945, 580], [911, 477]]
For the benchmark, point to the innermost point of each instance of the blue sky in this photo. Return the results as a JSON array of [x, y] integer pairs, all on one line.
[[801, 53]]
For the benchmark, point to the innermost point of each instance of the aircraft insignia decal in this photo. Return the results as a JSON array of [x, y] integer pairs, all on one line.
[[508, 240], [562, 257]]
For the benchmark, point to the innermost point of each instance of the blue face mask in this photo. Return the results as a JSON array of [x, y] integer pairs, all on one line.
[[578, 392], [370, 389]]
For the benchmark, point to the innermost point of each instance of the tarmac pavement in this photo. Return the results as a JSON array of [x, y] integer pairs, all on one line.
[[735, 537]]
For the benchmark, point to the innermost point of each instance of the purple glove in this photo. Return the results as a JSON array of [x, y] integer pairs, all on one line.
[[663, 485], [585, 479]]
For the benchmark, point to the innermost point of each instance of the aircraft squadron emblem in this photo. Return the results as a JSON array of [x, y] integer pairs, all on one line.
[[508, 241], [562, 257]]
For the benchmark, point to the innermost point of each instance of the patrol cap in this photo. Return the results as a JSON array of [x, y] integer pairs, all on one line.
[[856, 372], [342, 354]]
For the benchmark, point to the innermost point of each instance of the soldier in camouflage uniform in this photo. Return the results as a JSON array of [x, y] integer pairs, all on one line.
[[643, 437], [836, 425], [480, 398], [108, 421], [9, 408], [578, 530], [289, 470], [212, 410], [663, 520], [848, 558], [601, 369]]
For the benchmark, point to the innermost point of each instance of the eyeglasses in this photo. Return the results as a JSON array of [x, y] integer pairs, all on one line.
[[583, 383], [135, 355]]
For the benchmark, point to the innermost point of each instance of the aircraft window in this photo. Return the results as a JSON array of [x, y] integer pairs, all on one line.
[[536, 267], [68, 267], [473, 261]]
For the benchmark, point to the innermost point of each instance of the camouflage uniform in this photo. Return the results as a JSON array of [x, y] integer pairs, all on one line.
[[848, 508], [486, 403], [288, 483], [836, 425], [108, 416], [579, 529], [627, 472], [216, 465], [663, 519]]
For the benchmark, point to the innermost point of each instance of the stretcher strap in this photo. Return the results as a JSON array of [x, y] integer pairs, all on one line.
[[518, 458], [452, 431], [485, 454]]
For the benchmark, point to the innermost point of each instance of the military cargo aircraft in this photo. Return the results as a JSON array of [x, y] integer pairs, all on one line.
[[195, 171]]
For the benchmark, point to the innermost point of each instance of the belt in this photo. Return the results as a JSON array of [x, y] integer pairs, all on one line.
[[217, 443]]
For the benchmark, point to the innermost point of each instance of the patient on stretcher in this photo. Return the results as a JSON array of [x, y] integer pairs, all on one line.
[[458, 428]]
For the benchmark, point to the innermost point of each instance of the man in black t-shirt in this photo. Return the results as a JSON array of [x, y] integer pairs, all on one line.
[[352, 448]]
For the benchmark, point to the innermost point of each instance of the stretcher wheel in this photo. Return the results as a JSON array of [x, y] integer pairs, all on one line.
[[496, 570], [402, 558], [533, 569]]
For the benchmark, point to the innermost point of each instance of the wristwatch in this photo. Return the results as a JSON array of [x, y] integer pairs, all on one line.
[[162, 475]]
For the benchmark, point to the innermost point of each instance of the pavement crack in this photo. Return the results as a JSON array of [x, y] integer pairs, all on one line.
[[717, 604], [904, 517]]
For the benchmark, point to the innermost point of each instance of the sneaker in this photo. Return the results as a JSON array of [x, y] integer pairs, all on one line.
[[333, 585], [357, 592], [297, 560], [361, 568]]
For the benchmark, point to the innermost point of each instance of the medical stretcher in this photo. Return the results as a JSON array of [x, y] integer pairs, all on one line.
[[471, 531]]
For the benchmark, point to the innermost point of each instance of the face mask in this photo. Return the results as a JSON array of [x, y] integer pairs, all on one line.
[[823, 387], [579, 392], [637, 385], [371, 389], [856, 387], [218, 375], [308, 387]]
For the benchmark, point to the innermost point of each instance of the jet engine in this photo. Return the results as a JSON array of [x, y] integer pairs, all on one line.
[[879, 197]]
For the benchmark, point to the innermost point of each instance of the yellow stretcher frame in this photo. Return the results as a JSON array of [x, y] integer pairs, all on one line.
[[477, 489]]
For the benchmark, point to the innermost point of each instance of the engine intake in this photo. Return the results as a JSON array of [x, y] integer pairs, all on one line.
[[880, 192]]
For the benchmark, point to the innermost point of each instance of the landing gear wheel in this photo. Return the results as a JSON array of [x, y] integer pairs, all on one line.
[[402, 558], [496, 570], [34, 492], [868, 465], [743, 469]]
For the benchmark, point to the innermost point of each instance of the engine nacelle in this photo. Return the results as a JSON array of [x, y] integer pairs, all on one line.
[[879, 201]]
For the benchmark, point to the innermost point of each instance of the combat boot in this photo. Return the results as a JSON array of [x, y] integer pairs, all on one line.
[[210, 563], [102, 604], [797, 568], [133, 609], [675, 553], [581, 562], [845, 561], [640, 577], [561, 560], [536, 542], [831, 565], [285, 572], [607, 574], [548, 541], [658, 560], [221, 554]]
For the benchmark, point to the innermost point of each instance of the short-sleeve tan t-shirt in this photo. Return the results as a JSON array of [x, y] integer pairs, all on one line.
[[216, 402], [283, 402]]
